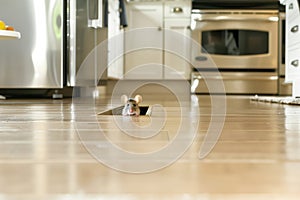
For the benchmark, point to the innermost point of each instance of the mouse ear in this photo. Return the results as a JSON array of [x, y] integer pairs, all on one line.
[[138, 98], [124, 98]]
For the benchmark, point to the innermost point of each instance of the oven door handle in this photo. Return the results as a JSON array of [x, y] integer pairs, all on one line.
[[234, 77], [236, 18], [201, 58]]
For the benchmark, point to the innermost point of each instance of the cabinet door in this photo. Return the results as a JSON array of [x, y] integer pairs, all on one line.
[[115, 42], [292, 9], [292, 69], [177, 49], [144, 41], [178, 9], [292, 23], [292, 65]]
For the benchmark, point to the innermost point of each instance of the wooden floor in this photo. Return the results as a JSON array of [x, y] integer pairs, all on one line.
[[46, 151]]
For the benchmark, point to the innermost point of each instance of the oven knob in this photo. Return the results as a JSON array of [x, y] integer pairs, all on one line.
[[295, 63], [291, 6], [295, 29]]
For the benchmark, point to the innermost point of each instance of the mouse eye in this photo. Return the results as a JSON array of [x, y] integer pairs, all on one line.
[[134, 105], [128, 104]]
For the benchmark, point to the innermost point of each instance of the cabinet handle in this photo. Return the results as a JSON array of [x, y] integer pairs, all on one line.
[[177, 10], [295, 29], [159, 28], [291, 6], [295, 63]]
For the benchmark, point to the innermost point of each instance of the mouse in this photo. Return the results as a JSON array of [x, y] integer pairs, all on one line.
[[131, 105]]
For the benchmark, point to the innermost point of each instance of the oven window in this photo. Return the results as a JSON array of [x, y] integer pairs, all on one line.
[[235, 42]]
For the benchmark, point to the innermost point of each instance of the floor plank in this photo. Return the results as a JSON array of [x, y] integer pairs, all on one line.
[[44, 151]]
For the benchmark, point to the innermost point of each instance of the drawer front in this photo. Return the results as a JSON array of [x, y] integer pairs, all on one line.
[[293, 22], [178, 9], [236, 83], [293, 31], [292, 9], [293, 64]]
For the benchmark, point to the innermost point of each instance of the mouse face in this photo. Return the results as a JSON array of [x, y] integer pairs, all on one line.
[[131, 106]]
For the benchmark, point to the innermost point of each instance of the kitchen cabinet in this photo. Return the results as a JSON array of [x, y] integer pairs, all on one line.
[[292, 73], [143, 45], [176, 66], [115, 42], [292, 41], [177, 28], [164, 26]]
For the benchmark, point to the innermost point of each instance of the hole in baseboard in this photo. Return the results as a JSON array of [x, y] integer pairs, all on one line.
[[144, 110]]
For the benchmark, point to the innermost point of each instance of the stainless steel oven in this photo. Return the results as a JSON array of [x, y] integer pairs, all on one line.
[[243, 45]]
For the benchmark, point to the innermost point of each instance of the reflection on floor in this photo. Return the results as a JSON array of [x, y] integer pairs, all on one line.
[[55, 149], [277, 99]]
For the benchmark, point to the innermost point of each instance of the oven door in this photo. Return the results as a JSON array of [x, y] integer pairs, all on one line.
[[236, 40]]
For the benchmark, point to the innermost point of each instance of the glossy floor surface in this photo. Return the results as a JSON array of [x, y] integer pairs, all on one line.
[[58, 149]]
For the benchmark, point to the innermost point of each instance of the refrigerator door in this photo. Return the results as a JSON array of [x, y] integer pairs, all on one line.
[[35, 60], [87, 45]]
